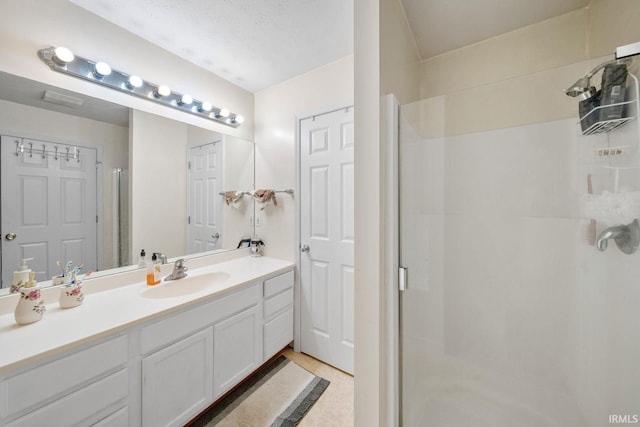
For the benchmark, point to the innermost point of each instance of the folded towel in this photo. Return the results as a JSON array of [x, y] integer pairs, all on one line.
[[265, 196]]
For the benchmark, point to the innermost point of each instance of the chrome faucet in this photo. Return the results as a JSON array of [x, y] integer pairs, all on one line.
[[179, 271], [162, 257]]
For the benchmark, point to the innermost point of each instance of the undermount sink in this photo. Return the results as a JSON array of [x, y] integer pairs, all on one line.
[[185, 286]]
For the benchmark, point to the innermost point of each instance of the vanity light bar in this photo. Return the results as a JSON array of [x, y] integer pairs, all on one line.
[[64, 61]]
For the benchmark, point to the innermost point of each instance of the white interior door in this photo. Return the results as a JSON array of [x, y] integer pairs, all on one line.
[[204, 227], [327, 238], [49, 205]]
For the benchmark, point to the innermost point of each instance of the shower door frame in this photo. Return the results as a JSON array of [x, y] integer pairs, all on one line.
[[392, 262]]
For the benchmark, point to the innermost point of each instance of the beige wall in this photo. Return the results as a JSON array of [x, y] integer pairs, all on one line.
[[532, 65], [33, 24], [386, 61], [113, 141], [277, 107]]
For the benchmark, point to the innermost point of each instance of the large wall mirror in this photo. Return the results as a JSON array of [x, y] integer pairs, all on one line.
[[91, 182]]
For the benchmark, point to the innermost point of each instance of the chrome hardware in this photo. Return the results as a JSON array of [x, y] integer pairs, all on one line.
[[162, 257], [179, 271], [627, 237], [402, 279], [305, 248], [215, 237], [10, 236]]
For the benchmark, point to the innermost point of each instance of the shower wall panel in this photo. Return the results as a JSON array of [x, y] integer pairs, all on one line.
[[511, 317]]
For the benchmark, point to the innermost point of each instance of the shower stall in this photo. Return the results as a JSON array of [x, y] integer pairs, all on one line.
[[511, 315]]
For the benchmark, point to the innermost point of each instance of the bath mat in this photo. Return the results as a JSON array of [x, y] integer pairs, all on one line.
[[278, 396]]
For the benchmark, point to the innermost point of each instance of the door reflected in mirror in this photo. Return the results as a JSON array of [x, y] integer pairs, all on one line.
[[137, 181]]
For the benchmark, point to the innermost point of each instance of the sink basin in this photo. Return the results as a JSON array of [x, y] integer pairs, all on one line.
[[185, 286]]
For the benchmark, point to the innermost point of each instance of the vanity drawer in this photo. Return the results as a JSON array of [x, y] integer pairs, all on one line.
[[278, 302], [120, 418], [177, 326], [278, 284], [42, 383], [83, 407], [278, 333]]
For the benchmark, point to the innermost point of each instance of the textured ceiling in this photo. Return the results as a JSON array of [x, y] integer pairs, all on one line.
[[252, 43], [259, 43]]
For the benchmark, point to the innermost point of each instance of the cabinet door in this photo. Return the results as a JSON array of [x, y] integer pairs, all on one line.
[[237, 349], [177, 381]]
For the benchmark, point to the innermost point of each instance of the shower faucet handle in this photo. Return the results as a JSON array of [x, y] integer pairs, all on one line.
[[627, 237]]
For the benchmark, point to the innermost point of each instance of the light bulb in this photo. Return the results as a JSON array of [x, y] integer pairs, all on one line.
[[238, 119], [185, 100], [206, 106], [162, 90], [62, 55], [224, 112], [134, 82], [102, 69]]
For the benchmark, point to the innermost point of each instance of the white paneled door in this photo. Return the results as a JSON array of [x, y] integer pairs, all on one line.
[[326, 234], [49, 210], [204, 226]]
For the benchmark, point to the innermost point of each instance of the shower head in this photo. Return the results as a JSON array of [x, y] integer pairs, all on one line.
[[579, 87], [582, 86]]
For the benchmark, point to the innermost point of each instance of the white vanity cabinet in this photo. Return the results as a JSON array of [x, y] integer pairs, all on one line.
[[78, 389], [278, 313], [237, 349], [176, 381], [162, 371], [191, 358]]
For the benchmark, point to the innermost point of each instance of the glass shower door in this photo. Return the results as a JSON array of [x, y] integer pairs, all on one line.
[[511, 316]]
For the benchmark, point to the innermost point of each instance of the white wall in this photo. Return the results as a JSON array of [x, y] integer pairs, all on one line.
[[25, 121], [33, 24], [317, 91], [158, 215], [239, 172]]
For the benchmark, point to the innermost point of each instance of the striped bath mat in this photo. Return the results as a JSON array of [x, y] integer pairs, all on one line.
[[278, 396]]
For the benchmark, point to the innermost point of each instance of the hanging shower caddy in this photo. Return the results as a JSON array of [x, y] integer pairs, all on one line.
[[630, 110]]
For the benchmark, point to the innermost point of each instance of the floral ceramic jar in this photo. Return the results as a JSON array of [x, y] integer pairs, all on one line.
[[30, 307], [71, 295]]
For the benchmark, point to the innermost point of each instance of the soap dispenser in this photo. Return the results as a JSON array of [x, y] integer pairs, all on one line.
[[31, 306], [153, 271], [142, 261], [21, 275]]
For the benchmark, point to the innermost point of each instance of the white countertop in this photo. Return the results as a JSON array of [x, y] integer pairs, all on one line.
[[115, 309]]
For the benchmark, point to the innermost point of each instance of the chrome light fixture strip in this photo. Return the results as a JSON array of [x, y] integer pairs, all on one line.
[[86, 69]]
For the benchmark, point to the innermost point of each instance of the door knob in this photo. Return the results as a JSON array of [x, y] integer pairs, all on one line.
[[10, 236], [216, 236], [305, 248]]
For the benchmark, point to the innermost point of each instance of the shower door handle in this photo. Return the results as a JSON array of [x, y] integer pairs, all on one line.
[[402, 279]]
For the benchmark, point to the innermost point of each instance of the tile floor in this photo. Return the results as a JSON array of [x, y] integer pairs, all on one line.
[[335, 406]]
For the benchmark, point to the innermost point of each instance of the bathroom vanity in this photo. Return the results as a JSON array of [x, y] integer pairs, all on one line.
[[146, 355]]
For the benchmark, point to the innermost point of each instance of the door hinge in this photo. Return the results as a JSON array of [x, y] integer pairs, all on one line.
[[97, 219], [402, 279], [189, 219], [189, 165]]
